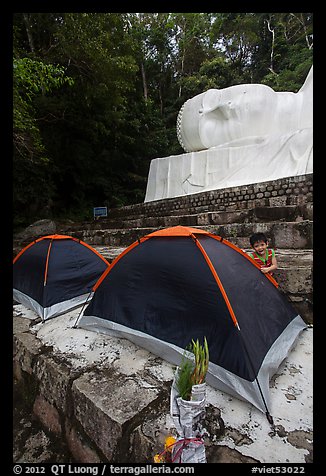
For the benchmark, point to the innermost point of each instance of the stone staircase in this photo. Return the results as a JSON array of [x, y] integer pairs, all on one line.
[[282, 209]]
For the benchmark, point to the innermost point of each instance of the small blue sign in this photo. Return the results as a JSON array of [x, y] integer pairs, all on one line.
[[100, 212]]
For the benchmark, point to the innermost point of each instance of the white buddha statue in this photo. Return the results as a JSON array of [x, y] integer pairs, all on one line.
[[238, 135]]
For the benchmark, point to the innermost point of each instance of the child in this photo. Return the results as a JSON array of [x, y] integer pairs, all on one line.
[[263, 256]]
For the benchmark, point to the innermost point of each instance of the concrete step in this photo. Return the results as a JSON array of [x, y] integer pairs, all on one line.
[[293, 235], [286, 213], [108, 401], [112, 237], [287, 258]]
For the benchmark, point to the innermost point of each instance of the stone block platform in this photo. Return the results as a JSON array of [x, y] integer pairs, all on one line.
[[107, 400]]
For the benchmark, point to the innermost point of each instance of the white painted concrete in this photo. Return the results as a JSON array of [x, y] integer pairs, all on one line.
[[291, 387]]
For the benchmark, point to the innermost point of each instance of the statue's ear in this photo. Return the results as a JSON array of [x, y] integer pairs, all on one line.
[[211, 100]]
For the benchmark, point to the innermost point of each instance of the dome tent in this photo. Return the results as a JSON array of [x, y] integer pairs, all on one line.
[[56, 273], [179, 284]]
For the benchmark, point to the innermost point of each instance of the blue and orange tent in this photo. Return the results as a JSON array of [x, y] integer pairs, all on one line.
[[56, 273], [179, 284]]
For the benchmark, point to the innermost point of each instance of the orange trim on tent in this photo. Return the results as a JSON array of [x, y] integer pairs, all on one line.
[[188, 231], [218, 281], [68, 237], [172, 231], [243, 253], [177, 231], [94, 250], [114, 262], [61, 237], [47, 263], [57, 237], [22, 251]]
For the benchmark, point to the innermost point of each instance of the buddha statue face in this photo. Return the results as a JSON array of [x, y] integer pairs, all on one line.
[[240, 114]]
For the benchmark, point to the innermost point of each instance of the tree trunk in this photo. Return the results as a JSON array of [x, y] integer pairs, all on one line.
[[302, 22], [28, 31], [272, 47], [143, 75], [161, 100]]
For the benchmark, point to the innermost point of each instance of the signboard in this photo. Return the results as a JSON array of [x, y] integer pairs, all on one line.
[[100, 212]]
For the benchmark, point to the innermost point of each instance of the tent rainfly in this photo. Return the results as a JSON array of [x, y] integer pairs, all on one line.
[[179, 284], [56, 273]]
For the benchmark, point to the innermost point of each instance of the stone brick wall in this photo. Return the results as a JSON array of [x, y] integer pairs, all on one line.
[[287, 191]]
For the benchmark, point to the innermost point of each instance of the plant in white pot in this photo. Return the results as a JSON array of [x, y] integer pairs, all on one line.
[[187, 405]]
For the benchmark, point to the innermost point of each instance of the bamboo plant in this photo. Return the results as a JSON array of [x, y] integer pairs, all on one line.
[[192, 372]]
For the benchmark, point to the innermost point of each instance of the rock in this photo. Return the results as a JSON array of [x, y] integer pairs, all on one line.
[[37, 229]]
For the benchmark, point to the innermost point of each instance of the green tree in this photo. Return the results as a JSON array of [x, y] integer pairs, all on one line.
[[31, 78], [285, 50]]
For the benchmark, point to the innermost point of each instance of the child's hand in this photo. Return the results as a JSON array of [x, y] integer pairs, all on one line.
[[264, 270]]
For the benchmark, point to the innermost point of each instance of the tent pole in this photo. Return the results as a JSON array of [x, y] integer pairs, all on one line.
[[268, 415], [46, 274], [219, 283], [82, 309]]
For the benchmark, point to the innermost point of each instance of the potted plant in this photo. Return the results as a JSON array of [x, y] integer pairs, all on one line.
[[187, 405]]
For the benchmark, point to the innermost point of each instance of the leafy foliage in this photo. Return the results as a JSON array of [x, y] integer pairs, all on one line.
[[192, 372], [32, 77], [201, 354], [183, 381]]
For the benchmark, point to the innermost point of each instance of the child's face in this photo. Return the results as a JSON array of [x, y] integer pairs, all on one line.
[[260, 247]]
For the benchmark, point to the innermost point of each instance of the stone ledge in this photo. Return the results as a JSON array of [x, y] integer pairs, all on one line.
[[295, 235], [296, 190], [233, 214], [106, 403], [119, 396], [290, 195]]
